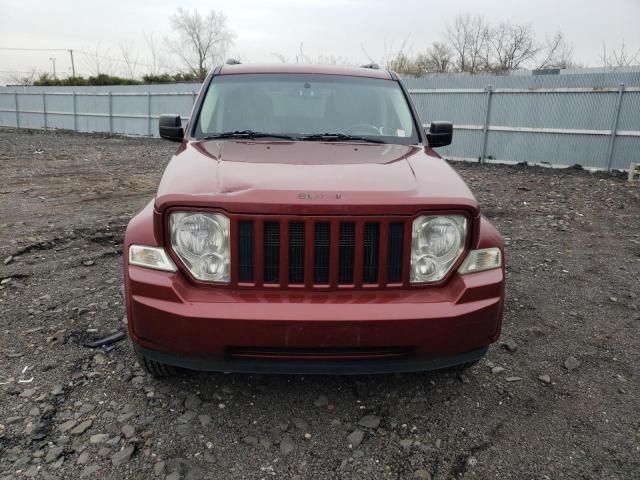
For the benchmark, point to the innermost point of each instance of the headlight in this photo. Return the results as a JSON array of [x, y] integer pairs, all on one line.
[[201, 240], [437, 242]]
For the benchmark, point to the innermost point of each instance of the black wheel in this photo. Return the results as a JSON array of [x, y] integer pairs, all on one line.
[[463, 366], [153, 368]]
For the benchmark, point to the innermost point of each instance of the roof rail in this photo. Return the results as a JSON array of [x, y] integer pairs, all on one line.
[[372, 66], [232, 61]]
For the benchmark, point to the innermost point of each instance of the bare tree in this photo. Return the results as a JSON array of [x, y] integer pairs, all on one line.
[[404, 65], [320, 59], [468, 38], [154, 47], [130, 59], [300, 56], [366, 54], [512, 46], [201, 40], [620, 57], [281, 58], [97, 61], [437, 59], [23, 78], [556, 53], [392, 59], [477, 46], [332, 60]]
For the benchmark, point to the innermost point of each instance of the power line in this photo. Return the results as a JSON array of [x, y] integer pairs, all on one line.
[[25, 49], [103, 57], [82, 52]]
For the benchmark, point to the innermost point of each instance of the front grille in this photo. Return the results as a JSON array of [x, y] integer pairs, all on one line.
[[319, 252]]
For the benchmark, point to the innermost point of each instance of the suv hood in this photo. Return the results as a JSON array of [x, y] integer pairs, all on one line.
[[285, 177]]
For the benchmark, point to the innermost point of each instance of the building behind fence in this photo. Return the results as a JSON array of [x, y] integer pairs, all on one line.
[[589, 118]]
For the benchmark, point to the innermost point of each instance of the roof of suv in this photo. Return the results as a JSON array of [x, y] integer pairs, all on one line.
[[312, 69]]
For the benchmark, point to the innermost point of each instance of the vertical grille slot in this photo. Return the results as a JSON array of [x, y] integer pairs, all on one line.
[[371, 252], [346, 252], [394, 256], [321, 252], [296, 252], [271, 252], [245, 251]]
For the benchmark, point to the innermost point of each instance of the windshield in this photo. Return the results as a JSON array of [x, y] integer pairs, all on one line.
[[307, 107]]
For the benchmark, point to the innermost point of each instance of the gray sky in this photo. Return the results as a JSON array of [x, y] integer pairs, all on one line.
[[326, 27]]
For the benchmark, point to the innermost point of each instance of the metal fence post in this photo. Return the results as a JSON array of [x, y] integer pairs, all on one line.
[[110, 114], [148, 114], [75, 121], [44, 109], [15, 101], [614, 126], [485, 127], [193, 98]]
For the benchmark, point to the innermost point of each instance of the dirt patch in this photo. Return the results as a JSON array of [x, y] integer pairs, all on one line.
[[573, 262]]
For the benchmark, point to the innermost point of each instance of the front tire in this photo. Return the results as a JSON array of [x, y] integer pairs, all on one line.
[[154, 368], [464, 366]]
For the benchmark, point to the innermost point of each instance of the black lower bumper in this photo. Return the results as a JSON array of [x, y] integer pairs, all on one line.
[[311, 367]]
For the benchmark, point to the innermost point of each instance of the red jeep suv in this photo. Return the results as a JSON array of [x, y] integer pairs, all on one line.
[[306, 225]]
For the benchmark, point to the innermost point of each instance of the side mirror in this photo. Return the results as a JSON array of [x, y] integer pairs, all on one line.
[[439, 134], [170, 126]]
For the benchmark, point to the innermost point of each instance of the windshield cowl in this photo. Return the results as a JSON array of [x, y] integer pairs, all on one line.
[[339, 137], [248, 134]]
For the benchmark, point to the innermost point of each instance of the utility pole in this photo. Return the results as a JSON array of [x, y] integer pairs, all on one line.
[[73, 65], [53, 60]]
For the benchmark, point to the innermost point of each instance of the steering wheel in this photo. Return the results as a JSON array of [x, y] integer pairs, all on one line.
[[362, 126]]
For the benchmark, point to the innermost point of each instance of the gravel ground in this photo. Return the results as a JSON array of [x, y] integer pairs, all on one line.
[[558, 397]]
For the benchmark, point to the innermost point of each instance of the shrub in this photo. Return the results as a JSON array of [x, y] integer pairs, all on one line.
[[179, 77], [45, 80]]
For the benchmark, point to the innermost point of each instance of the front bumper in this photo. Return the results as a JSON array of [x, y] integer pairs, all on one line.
[[285, 331], [315, 367]]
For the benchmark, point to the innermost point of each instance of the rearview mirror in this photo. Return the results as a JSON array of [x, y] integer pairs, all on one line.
[[439, 134], [170, 126]]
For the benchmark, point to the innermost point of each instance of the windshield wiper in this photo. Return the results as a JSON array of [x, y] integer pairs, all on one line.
[[338, 137], [249, 134]]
